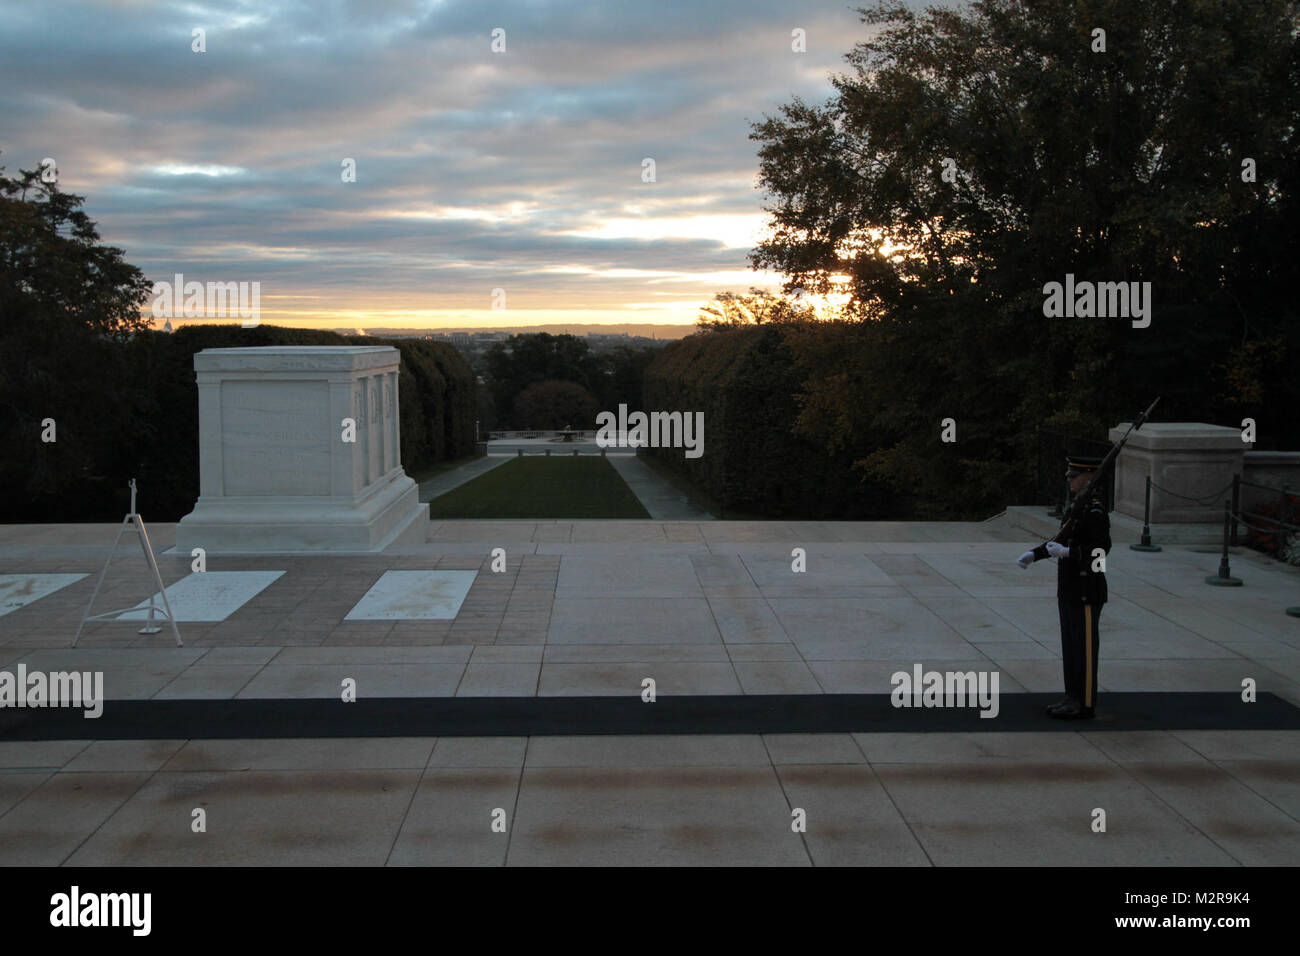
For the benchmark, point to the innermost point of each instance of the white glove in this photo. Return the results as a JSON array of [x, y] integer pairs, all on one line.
[[1057, 550], [1026, 559]]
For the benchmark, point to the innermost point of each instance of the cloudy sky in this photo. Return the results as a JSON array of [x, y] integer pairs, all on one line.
[[475, 169]]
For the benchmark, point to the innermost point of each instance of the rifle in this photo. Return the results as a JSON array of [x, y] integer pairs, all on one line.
[[1081, 500]]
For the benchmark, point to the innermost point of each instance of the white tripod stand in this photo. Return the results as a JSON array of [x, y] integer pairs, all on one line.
[[135, 523]]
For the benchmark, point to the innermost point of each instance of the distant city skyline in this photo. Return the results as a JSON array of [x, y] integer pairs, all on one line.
[[521, 170], [663, 331]]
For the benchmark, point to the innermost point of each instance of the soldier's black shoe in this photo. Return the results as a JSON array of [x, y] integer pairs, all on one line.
[[1073, 710], [1053, 708]]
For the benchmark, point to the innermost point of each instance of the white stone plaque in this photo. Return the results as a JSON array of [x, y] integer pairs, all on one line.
[[275, 439]]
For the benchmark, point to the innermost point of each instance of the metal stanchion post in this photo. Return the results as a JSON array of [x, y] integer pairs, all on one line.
[[1236, 506], [1224, 578], [1146, 544]]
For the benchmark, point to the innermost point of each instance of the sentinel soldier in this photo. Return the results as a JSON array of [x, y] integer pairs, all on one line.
[[1079, 548]]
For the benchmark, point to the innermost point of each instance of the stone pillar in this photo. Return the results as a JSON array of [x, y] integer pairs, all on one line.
[[1189, 458], [275, 473]]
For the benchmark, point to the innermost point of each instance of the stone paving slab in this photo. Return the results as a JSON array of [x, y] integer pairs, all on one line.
[[16, 786], [851, 819], [961, 815], [867, 799], [254, 818], [56, 818], [653, 576], [373, 753], [450, 820], [665, 816]]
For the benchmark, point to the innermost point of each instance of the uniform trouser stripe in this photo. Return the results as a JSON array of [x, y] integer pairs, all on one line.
[[1087, 655]]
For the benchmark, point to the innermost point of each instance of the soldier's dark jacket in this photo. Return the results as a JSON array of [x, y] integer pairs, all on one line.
[[1075, 579]]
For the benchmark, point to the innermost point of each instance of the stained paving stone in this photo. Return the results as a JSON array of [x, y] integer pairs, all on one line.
[[696, 750], [963, 815], [459, 817], [16, 785], [848, 817], [372, 753], [46, 827], [1277, 781], [662, 816], [254, 818], [125, 755]]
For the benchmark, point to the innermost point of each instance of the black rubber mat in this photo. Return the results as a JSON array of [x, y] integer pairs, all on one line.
[[537, 716]]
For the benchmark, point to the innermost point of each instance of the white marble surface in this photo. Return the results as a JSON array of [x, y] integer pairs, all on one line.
[[208, 596], [299, 451], [276, 438], [414, 596], [18, 590]]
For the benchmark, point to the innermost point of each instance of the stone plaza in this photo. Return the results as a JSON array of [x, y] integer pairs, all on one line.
[[588, 610]]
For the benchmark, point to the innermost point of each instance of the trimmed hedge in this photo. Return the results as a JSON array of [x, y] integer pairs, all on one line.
[[153, 375], [746, 382]]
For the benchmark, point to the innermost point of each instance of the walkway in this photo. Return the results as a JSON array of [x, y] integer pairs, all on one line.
[[662, 500], [440, 484]]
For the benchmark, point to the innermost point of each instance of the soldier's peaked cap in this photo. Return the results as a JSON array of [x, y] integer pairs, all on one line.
[[1080, 464]]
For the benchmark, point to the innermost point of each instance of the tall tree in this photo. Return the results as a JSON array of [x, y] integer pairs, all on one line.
[[70, 411], [974, 155], [53, 267]]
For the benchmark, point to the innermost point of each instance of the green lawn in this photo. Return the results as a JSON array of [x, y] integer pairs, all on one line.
[[536, 486]]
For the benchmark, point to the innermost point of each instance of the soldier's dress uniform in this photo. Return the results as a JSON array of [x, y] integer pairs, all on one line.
[[1080, 594]]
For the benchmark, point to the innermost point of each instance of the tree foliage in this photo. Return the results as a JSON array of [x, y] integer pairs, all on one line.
[[745, 382], [521, 360], [53, 267], [68, 403], [1123, 165], [729, 310], [555, 405], [611, 376]]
